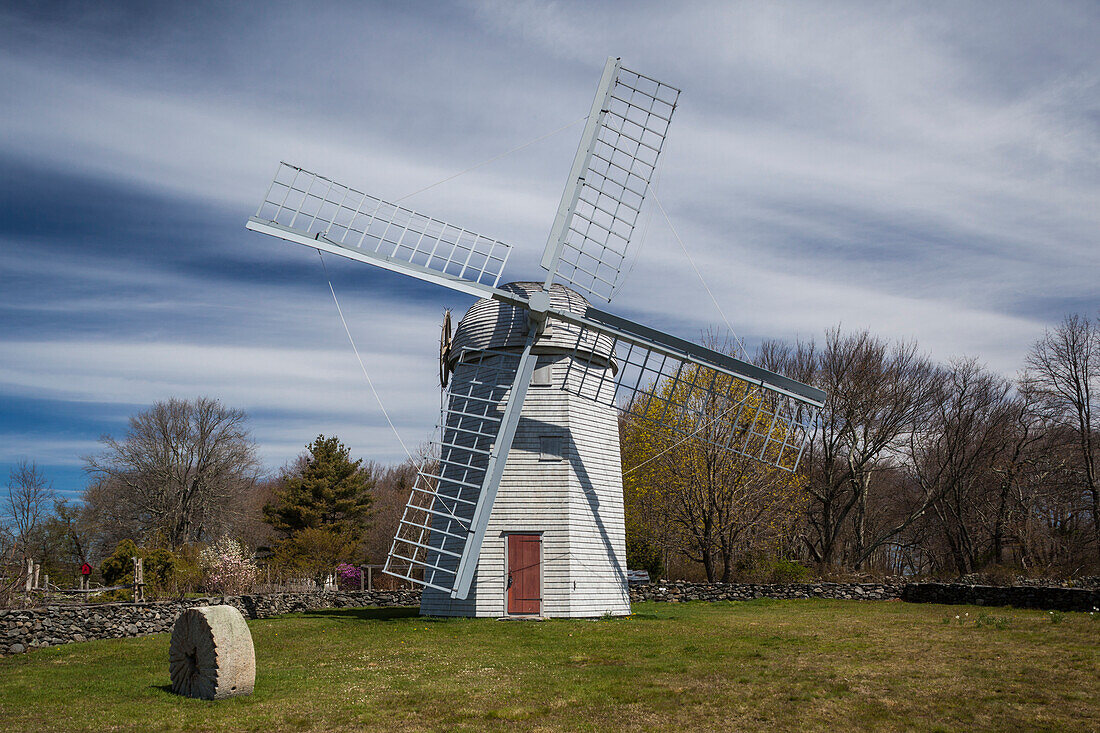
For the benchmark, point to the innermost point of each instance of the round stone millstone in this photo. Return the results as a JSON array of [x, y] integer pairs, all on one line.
[[211, 655]]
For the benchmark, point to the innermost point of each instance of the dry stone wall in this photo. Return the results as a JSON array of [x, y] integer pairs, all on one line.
[[1051, 597], [22, 630], [25, 629], [679, 591], [1018, 596]]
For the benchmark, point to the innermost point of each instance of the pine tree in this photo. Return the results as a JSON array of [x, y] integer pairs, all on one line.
[[325, 490]]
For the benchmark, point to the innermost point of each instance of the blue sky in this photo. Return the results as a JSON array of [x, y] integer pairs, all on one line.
[[929, 171]]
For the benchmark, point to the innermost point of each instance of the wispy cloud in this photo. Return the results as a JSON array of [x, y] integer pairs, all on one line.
[[926, 172]]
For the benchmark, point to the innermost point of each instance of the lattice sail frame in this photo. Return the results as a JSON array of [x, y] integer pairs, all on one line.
[[317, 207], [689, 396], [611, 174], [435, 526]]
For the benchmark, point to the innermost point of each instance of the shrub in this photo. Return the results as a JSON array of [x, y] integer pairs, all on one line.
[[782, 570], [765, 567], [642, 555], [158, 563], [189, 575], [315, 551], [118, 569], [160, 566], [347, 576], [228, 567]]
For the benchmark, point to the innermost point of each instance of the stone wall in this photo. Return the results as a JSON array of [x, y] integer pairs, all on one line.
[[21, 630], [1018, 596], [1046, 597], [678, 590]]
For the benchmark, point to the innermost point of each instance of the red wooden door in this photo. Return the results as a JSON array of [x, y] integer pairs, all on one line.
[[524, 579]]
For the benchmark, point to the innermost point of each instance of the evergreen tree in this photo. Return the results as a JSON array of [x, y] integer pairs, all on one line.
[[325, 490]]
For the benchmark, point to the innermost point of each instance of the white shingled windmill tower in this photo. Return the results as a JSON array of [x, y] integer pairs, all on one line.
[[520, 511]]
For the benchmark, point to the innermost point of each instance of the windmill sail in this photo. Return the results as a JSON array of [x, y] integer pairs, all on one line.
[[611, 171], [690, 389], [442, 528], [310, 209]]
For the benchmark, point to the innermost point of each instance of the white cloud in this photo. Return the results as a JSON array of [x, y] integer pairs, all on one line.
[[15, 447], [294, 393], [907, 170]]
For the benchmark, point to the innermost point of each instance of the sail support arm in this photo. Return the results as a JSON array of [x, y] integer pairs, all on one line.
[[658, 341], [464, 575]]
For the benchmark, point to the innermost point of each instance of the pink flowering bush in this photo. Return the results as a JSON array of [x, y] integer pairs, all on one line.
[[228, 568], [347, 576]]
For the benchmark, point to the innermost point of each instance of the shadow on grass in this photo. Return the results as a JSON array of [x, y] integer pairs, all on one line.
[[365, 614]]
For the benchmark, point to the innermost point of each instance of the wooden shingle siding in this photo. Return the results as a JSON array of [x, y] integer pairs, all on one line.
[[575, 504]]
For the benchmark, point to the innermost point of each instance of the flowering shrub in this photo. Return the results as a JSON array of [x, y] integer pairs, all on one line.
[[227, 567], [347, 576]]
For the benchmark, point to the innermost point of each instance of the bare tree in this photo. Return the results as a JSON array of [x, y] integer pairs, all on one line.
[[29, 497], [955, 455], [246, 508], [913, 467], [878, 395], [176, 473], [1065, 365], [109, 513], [1025, 472], [391, 490], [71, 531]]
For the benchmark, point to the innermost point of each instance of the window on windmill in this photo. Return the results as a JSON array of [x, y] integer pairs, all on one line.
[[543, 375], [550, 448]]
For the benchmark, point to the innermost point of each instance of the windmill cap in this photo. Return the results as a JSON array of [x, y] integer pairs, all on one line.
[[491, 324]]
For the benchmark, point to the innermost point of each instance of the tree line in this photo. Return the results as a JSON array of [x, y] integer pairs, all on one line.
[[185, 480], [913, 468]]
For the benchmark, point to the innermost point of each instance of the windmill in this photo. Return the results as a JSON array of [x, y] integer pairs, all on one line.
[[519, 510]]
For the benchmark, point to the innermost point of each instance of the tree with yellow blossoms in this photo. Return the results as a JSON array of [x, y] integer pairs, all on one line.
[[685, 493]]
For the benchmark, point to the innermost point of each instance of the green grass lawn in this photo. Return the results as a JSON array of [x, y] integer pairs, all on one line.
[[765, 665]]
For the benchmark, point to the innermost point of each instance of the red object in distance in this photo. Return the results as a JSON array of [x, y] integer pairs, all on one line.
[[85, 569]]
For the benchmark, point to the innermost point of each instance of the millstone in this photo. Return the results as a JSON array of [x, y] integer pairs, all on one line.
[[211, 654]]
